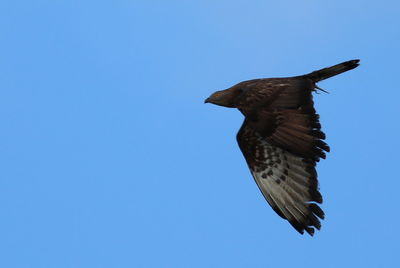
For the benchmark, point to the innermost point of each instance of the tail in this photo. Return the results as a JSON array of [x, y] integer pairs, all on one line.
[[325, 73]]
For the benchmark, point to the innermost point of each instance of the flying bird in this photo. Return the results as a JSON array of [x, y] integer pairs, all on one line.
[[281, 140]]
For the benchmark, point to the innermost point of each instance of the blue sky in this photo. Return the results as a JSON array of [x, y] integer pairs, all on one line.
[[109, 158]]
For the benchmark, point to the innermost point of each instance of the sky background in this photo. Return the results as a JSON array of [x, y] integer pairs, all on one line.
[[110, 158]]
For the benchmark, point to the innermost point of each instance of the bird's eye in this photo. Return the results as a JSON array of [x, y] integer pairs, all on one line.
[[217, 94]]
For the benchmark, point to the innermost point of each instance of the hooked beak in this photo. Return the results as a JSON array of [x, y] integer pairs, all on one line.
[[207, 100]]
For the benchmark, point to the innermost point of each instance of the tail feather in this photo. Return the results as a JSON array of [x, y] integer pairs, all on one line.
[[325, 73]]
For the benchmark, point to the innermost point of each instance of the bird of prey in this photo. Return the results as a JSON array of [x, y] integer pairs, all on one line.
[[281, 140]]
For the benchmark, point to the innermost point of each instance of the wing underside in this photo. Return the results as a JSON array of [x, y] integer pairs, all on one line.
[[288, 182]]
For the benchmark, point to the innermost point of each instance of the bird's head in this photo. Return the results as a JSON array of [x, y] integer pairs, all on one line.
[[227, 97]]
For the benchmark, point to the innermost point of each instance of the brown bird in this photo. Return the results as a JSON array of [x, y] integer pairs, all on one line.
[[281, 140]]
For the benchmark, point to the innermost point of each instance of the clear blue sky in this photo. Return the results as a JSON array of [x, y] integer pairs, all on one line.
[[109, 158]]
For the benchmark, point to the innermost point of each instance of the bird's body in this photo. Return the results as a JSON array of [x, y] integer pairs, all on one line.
[[281, 139]]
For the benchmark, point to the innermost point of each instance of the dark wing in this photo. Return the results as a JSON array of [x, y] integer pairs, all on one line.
[[281, 139], [282, 111], [288, 182]]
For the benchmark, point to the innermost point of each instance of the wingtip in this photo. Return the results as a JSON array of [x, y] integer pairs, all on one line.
[[310, 231]]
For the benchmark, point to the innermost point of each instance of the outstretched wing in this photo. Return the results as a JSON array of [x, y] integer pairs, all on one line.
[[287, 181], [282, 111]]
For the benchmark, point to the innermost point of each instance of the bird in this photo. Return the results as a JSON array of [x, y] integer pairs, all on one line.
[[282, 141]]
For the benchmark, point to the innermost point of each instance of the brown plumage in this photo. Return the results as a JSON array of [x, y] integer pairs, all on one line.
[[281, 139]]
